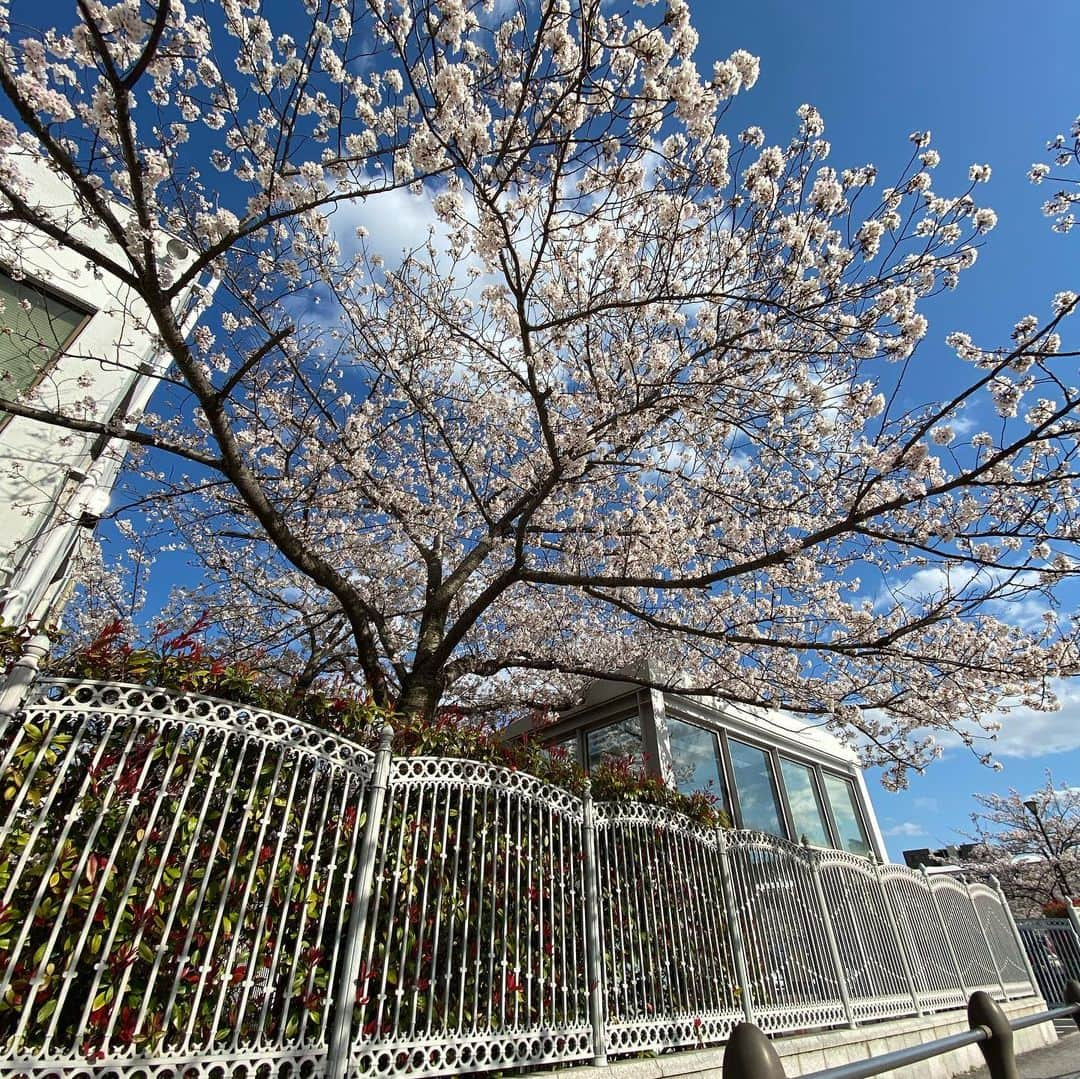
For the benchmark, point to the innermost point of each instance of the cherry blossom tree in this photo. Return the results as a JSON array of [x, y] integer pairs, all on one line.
[[640, 392], [1031, 843]]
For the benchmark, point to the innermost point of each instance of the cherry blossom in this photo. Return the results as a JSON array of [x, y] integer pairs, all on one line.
[[1036, 858]]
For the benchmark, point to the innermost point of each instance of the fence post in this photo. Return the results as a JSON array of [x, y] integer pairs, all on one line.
[[901, 944], [731, 916], [337, 1059], [22, 675], [1074, 918], [986, 938], [945, 932], [997, 1050], [1072, 996], [750, 1055], [1015, 929], [594, 960], [830, 933]]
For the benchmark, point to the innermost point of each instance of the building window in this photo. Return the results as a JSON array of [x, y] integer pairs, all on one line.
[[565, 747], [695, 756], [844, 803], [807, 812], [35, 327], [614, 741], [755, 788]]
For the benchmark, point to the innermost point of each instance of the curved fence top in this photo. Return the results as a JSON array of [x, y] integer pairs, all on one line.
[[456, 771], [74, 695], [652, 816]]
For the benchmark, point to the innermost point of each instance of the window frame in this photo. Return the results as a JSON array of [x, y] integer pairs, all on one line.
[[719, 753], [857, 805], [779, 796], [80, 307], [721, 734], [776, 754], [582, 734], [817, 784]]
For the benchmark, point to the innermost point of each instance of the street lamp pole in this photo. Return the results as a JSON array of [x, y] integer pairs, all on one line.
[[1033, 808]]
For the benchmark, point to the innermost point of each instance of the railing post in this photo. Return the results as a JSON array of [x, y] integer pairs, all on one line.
[[1074, 918], [945, 932], [997, 1050], [594, 960], [22, 675], [830, 933], [986, 938], [1072, 996], [750, 1055], [901, 944], [337, 1060], [731, 916], [1015, 929]]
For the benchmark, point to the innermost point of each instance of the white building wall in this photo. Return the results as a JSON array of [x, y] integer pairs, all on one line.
[[49, 479]]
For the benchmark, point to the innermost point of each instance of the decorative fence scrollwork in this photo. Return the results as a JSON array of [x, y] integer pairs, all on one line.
[[475, 953], [188, 884], [174, 873], [668, 964]]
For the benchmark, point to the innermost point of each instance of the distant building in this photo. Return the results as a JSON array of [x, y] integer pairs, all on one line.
[[768, 769], [951, 857], [71, 339]]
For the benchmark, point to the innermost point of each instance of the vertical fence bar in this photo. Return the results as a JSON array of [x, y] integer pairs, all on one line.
[[1015, 929], [945, 930], [986, 938], [830, 934], [901, 941], [731, 916], [337, 1059], [594, 960], [22, 675]]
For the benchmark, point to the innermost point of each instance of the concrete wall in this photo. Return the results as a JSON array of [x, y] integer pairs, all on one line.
[[805, 1053]]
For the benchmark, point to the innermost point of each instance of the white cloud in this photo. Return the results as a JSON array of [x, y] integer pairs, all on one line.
[[934, 583], [396, 221], [1028, 733], [908, 829]]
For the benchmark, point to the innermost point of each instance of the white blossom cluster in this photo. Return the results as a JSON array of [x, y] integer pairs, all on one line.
[[1065, 154]]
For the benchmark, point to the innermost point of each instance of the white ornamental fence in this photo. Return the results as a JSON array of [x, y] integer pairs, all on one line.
[[193, 886]]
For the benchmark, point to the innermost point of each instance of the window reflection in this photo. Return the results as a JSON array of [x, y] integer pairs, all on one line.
[[566, 747], [31, 335], [616, 740], [845, 810], [695, 755], [755, 788], [806, 810]]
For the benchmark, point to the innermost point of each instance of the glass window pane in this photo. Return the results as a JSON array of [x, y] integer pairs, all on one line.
[[695, 754], [806, 811], [845, 809], [755, 788], [617, 740], [29, 339]]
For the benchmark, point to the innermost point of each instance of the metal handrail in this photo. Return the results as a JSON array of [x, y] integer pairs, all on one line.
[[750, 1054]]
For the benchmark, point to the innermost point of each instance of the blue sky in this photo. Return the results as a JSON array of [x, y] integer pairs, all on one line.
[[993, 82]]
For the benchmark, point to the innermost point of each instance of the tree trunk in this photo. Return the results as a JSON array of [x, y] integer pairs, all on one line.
[[420, 695]]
